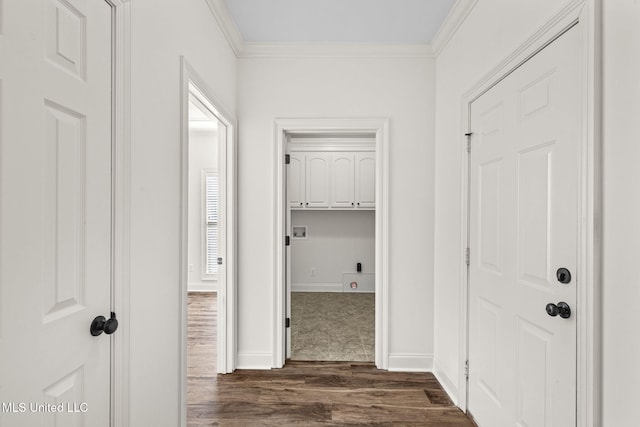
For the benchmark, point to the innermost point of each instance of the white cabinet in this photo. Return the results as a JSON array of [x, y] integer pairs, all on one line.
[[365, 180], [317, 180], [333, 180], [296, 180], [342, 176]]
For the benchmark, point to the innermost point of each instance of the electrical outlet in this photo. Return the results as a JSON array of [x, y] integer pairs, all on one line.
[[190, 268], [313, 272]]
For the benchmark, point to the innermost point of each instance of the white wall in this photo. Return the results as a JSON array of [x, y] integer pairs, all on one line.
[[203, 154], [489, 34], [621, 276], [400, 89], [336, 241], [162, 31]]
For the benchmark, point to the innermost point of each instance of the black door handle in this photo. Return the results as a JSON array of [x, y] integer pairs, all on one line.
[[562, 309], [100, 325]]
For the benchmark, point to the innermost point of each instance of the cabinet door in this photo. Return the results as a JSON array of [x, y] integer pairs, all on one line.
[[365, 177], [296, 178], [317, 185], [342, 175]]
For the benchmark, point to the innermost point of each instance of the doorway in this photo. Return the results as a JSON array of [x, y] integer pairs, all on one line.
[[378, 129], [205, 131], [207, 290], [524, 228], [331, 253]]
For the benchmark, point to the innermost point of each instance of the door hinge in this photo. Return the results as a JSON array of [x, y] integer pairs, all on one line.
[[467, 256], [287, 240], [287, 322], [468, 135], [220, 261], [287, 159], [466, 369]]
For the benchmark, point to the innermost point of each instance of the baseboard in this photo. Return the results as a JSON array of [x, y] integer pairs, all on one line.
[[316, 287], [249, 360], [202, 286], [410, 362], [447, 384]]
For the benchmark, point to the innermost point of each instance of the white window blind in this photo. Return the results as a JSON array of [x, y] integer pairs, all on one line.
[[211, 223]]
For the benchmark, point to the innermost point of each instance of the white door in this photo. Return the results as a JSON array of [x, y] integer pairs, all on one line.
[[365, 182], [55, 254], [524, 227], [342, 180], [317, 180], [296, 180]]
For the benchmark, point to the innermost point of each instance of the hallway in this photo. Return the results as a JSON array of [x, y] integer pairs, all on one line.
[[305, 393]]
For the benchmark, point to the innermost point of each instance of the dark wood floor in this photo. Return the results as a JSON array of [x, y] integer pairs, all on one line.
[[305, 393]]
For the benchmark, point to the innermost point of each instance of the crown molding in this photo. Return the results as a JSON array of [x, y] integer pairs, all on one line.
[[452, 22], [227, 25], [335, 50]]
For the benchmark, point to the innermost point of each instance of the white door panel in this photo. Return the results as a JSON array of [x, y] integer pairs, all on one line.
[[55, 92], [317, 180], [342, 175], [365, 180], [296, 180], [523, 227]]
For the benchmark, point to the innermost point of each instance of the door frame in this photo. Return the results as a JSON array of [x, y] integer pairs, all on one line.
[[379, 127], [120, 202], [226, 293], [586, 15]]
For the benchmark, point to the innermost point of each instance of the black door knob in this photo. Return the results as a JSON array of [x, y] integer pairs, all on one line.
[[100, 325], [563, 275], [562, 309]]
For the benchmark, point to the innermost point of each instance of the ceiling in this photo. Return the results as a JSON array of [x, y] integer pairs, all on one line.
[[336, 21]]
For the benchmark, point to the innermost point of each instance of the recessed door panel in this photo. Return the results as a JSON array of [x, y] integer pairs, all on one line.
[[489, 218], [533, 385], [487, 361], [342, 176], [66, 37], [63, 211], [67, 393], [365, 184], [317, 183], [296, 178], [534, 219]]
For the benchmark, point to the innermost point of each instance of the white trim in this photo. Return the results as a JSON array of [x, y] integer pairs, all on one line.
[[121, 224], [316, 287], [335, 50], [410, 362], [254, 360], [545, 34], [227, 25], [452, 22], [588, 14], [589, 366], [208, 286], [192, 83], [380, 127], [446, 383]]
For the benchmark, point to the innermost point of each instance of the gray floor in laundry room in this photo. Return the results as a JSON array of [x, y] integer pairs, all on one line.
[[332, 326]]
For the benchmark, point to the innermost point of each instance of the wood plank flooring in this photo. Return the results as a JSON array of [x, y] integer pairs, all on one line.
[[305, 393]]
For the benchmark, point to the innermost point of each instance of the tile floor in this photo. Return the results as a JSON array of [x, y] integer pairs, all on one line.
[[332, 326]]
